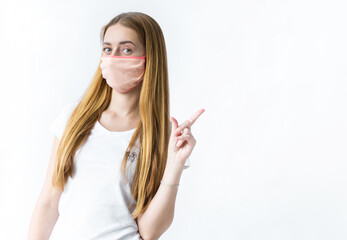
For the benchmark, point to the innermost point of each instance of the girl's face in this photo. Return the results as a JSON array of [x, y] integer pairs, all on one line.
[[122, 41]]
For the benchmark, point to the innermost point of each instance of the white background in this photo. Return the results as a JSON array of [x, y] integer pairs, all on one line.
[[270, 160]]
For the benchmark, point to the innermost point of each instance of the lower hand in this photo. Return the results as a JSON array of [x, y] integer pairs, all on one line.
[[182, 141]]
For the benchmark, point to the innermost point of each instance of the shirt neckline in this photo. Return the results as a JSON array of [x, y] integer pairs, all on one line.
[[108, 132]]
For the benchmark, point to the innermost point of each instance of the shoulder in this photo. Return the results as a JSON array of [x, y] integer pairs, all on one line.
[[66, 112], [60, 121], [68, 108]]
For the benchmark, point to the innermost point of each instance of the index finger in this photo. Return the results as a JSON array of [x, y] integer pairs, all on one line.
[[195, 116]]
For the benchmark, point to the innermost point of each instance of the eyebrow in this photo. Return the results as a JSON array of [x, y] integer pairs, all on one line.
[[122, 42]]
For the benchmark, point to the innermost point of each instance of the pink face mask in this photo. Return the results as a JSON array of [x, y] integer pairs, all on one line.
[[122, 73]]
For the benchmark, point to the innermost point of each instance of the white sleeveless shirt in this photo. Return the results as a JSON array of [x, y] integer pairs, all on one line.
[[94, 203]]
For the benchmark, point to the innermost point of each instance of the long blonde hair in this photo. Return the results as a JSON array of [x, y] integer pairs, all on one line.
[[153, 131]]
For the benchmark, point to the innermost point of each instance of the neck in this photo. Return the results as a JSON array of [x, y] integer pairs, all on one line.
[[125, 105]]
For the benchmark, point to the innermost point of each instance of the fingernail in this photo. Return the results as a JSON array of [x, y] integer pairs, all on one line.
[[178, 144]]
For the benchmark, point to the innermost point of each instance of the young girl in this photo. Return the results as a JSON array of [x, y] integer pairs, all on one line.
[[117, 156]]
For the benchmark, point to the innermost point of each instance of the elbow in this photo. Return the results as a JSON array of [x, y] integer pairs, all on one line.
[[154, 234], [145, 238], [147, 235]]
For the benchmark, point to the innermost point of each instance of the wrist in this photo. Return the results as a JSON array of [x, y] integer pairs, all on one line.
[[172, 174], [169, 185], [174, 165]]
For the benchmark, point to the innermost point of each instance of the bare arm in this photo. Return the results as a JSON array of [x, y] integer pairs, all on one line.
[[46, 213], [160, 212]]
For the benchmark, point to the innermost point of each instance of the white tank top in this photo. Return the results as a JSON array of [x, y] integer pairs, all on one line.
[[94, 204]]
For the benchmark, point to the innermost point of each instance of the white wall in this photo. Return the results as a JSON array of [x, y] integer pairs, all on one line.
[[270, 159]]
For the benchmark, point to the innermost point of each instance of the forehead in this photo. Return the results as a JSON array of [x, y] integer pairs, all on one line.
[[118, 32]]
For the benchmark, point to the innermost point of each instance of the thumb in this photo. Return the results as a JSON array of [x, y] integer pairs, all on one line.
[[174, 124]]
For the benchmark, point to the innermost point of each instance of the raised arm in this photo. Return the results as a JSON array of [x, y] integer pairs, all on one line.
[[160, 212]]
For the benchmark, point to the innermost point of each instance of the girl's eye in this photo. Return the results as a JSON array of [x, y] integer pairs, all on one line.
[[127, 49], [105, 48]]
